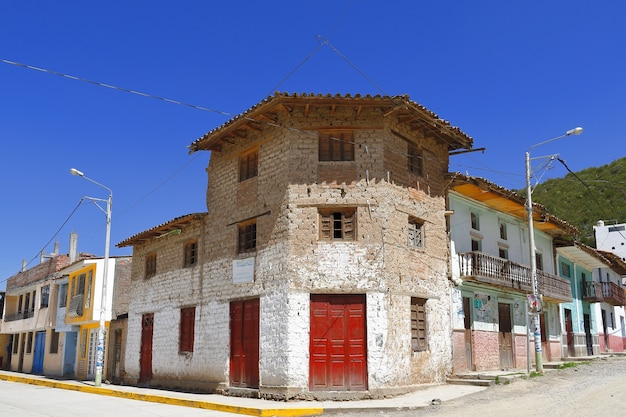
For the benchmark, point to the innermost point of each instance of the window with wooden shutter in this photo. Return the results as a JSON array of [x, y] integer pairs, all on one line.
[[187, 323], [246, 241], [151, 260], [419, 340], [338, 224], [191, 253], [416, 233], [336, 146], [415, 160], [249, 165]]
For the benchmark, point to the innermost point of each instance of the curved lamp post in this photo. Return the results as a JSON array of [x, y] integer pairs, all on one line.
[[531, 243], [101, 329]]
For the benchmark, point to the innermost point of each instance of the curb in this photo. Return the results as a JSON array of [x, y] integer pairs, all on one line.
[[207, 405]]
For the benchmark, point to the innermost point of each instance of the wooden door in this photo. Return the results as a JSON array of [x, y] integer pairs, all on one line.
[[467, 324], [569, 331], [145, 358], [588, 336], [338, 357], [505, 336], [244, 343]]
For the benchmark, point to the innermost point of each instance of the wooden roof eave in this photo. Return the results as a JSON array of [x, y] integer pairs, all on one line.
[[161, 230]]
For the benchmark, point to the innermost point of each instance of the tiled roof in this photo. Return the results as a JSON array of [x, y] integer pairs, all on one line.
[[264, 113], [168, 227]]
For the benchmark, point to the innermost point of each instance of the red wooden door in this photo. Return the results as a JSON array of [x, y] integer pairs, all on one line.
[[244, 343], [145, 358], [338, 344]]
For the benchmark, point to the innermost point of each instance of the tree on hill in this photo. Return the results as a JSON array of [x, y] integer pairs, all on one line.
[[584, 197]]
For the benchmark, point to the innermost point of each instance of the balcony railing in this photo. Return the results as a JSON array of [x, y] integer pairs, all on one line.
[[503, 273], [592, 292], [613, 293], [20, 315]]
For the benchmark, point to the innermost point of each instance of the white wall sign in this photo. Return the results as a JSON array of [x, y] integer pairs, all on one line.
[[243, 270]]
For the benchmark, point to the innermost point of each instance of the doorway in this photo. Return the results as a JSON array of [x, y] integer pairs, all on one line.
[[145, 356], [467, 325], [244, 343], [505, 336]]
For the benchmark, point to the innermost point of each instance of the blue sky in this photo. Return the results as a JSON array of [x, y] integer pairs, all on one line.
[[508, 74]]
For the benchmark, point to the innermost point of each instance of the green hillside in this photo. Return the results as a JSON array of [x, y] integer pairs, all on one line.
[[587, 196]]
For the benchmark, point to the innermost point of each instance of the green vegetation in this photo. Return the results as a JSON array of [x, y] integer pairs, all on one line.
[[587, 196], [572, 364]]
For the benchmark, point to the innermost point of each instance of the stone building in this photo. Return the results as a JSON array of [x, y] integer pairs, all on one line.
[[320, 269]]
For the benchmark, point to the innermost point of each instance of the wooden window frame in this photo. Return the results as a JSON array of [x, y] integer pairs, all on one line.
[[45, 296], [415, 159], [63, 288], [187, 325], [246, 236], [338, 224], [151, 265], [416, 233], [336, 146], [190, 253], [249, 165], [479, 245], [475, 220], [503, 231], [419, 325], [503, 253]]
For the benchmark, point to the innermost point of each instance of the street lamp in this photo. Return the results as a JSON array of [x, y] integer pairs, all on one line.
[[107, 240], [531, 243]]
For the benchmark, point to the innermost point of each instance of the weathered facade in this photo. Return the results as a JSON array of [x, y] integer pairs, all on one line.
[[320, 269], [491, 264]]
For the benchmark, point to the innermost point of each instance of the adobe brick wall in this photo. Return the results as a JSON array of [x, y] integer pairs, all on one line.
[[291, 262]]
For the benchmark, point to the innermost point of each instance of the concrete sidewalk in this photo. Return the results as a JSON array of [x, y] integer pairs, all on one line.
[[254, 407]]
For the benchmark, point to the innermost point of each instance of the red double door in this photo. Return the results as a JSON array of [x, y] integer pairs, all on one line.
[[244, 343], [338, 357]]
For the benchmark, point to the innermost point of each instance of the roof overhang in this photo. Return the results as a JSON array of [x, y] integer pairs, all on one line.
[[168, 227], [266, 114]]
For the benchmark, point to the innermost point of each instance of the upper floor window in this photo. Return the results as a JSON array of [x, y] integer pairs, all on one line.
[[503, 234], [78, 285], [475, 220], [416, 233], [477, 245], [539, 262], [419, 340], [336, 146], [45, 296], [191, 253], [246, 240], [151, 265], [416, 160], [249, 165], [338, 224], [62, 295], [564, 269], [503, 253]]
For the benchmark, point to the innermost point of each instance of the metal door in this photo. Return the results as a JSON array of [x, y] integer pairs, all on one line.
[[338, 357], [145, 357], [38, 354], [505, 336]]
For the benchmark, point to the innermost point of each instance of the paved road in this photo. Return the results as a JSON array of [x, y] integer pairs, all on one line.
[[24, 400]]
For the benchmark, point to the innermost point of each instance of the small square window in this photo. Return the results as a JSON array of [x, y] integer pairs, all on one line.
[[246, 241], [416, 233], [191, 253], [564, 270], [249, 165], [419, 340], [337, 224], [476, 245], [503, 253], [336, 146], [151, 265]]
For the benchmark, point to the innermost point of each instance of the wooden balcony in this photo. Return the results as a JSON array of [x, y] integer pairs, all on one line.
[[502, 273], [613, 294], [592, 292]]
